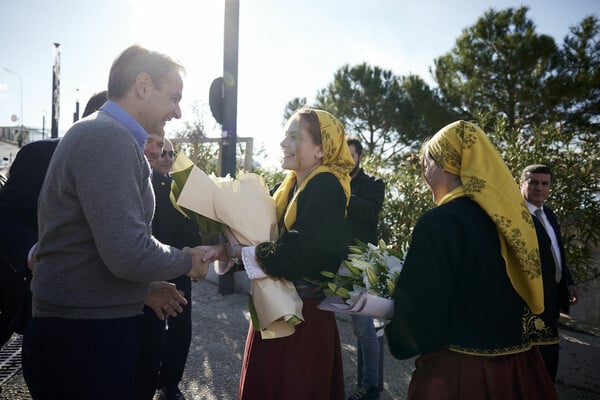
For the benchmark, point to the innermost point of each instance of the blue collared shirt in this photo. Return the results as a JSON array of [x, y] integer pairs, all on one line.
[[119, 113]]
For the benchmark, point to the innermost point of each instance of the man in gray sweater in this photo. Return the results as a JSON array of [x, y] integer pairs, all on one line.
[[96, 255]]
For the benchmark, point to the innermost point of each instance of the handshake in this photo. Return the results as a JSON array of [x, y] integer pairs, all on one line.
[[164, 297], [202, 256]]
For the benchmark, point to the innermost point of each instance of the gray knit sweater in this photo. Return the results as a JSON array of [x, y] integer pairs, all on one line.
[[96, 252]]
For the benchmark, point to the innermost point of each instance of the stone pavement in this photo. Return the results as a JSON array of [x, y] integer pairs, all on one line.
[[220, 327]]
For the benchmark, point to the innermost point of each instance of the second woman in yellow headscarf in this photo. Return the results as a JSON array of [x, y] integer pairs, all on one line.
[[463, 149]]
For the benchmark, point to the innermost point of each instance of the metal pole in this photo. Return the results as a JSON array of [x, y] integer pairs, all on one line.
[[55, 92], [230, 85], [76, 113]]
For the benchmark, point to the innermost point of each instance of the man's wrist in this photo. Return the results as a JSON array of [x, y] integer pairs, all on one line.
[[233, 253]]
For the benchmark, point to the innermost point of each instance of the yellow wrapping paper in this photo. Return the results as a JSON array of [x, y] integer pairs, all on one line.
[[247, 208], [276, 303]]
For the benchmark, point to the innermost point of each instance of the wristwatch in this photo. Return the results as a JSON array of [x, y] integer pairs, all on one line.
[[233, 253]]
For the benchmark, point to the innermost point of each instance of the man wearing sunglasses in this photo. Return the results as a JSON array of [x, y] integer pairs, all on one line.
[[164, 348]]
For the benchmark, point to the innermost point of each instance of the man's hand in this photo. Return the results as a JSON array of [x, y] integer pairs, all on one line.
[[572, 295], [165, 299], [199, 267], [32, 257]]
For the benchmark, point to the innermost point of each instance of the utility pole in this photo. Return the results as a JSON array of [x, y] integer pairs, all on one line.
[[55, 92], [230, 88], [76, 113], [223, 104]]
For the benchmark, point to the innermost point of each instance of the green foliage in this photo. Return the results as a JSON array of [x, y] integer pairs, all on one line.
[[575, 195], [389, 114], [500, 66], [193, 141], [292, 106], [539, 104], [576, 86], [365, 98], [407, 197]]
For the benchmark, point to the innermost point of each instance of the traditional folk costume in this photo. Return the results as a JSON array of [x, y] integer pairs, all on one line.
[[307, 364], [471, 287]]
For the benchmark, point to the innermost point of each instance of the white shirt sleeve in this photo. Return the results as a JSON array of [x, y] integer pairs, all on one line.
[[251, 266]]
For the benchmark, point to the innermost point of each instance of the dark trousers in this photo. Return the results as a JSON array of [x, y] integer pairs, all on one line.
[[163, 352], [550, 355], [80, 359], [15, 300], [178, 339]]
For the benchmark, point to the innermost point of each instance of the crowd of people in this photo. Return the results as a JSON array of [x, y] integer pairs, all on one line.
[[97, 263]]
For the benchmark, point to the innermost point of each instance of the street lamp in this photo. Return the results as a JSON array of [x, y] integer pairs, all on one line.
[[21, 87]]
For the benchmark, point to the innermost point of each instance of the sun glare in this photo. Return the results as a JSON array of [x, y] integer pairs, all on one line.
[[192, 33]]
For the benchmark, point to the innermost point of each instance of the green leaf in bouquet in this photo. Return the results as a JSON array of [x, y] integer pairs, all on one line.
[[182, 167], [355, 250], [361, 265], [328, 274], [253, 314], [353, 270], [343, 293], [390, 285], [372, 277]]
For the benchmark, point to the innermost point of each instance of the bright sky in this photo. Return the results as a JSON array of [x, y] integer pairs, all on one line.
[[286, 49]]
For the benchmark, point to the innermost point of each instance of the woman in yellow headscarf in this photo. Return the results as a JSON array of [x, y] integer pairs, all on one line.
[[311, 209], [467, 297]]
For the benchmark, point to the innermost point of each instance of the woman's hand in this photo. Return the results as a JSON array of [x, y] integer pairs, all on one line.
[[212, 253]]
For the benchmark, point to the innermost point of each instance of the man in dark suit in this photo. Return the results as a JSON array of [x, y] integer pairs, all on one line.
[[366, 201], [18, 233], [164, 348], [559, 288]]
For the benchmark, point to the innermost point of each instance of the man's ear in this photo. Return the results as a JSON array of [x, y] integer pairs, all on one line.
[[143, 85]]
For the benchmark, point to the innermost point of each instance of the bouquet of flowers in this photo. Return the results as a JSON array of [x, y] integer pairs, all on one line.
[[214, 203], [365, 284]]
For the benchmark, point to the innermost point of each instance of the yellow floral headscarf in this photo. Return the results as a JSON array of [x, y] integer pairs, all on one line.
[[336, 159], [463, 149]]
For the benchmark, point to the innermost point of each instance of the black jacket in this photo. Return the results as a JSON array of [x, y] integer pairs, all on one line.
[[19, 231], [366, 201], [169, 225], [567, 278]]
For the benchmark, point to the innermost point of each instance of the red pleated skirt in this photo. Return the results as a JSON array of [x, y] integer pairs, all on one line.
[[306, 365], [445, 375]]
